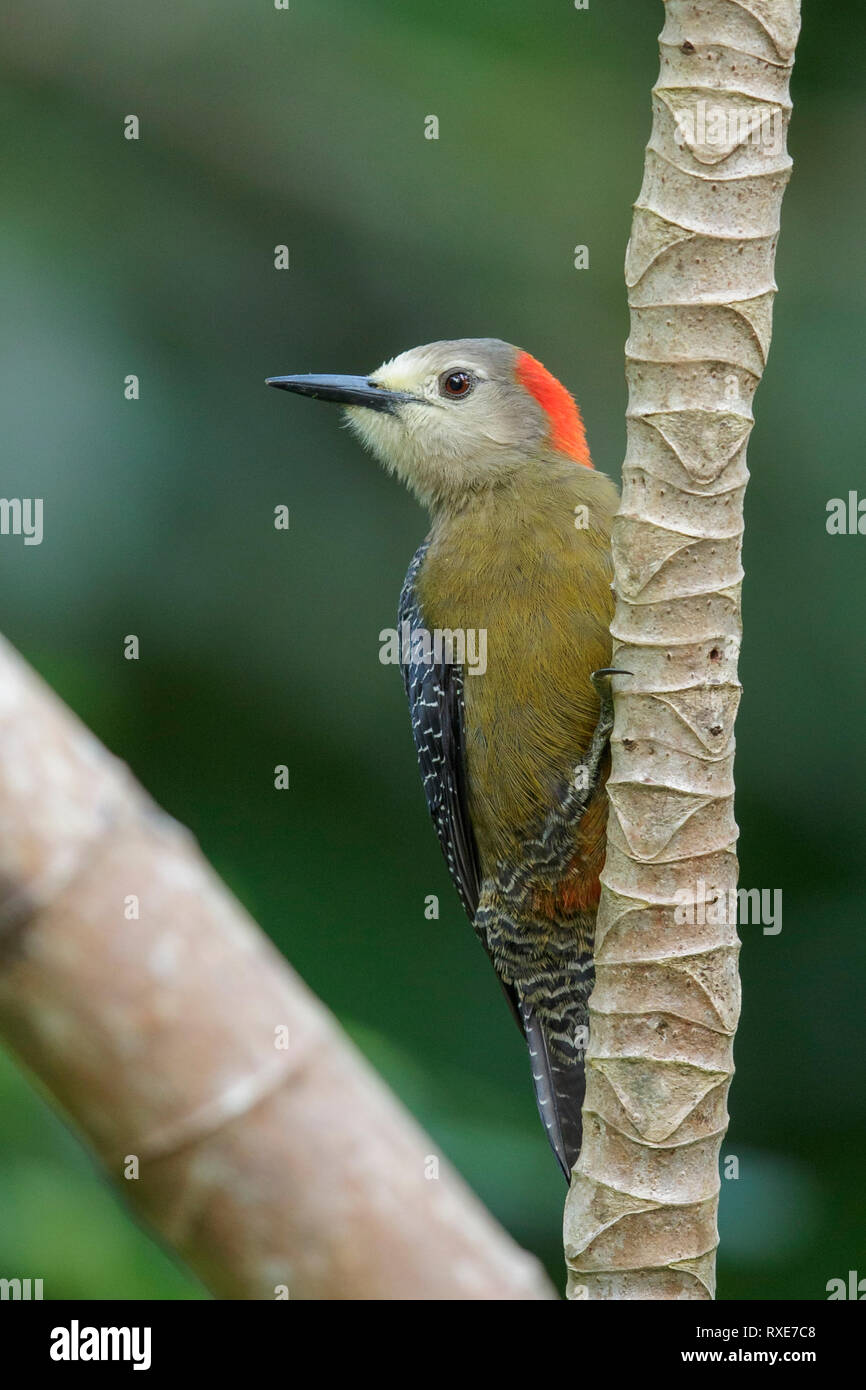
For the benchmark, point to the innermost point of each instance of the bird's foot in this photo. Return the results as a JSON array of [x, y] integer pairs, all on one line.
[[601, 681], [586, 774]]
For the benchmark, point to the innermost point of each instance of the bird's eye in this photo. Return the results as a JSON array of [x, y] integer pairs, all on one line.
[[456, 384]]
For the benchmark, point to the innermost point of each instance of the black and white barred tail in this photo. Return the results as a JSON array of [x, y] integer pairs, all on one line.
[[547, 968]]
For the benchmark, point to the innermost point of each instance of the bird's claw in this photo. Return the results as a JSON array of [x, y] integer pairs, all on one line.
[[601, 681]]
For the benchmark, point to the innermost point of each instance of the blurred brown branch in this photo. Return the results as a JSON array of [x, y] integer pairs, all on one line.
[[249, 1132]]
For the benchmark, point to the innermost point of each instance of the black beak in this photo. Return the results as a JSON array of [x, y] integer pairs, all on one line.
[[343, 390]]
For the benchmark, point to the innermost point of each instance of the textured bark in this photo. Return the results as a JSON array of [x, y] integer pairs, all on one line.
[[263, 1166], [641, 1214]]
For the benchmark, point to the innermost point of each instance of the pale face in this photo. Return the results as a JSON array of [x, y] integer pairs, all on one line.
[[461, 419]]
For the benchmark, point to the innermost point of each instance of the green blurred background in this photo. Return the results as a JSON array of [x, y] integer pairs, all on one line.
[[306, 127]]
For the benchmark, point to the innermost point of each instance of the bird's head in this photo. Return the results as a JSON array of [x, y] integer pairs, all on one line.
[[456, 417]]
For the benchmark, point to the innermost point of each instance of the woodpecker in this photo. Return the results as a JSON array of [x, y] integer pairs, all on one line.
[[513, 759]]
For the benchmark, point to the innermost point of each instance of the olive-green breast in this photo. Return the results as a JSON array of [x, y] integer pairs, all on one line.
[[514, 565]]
